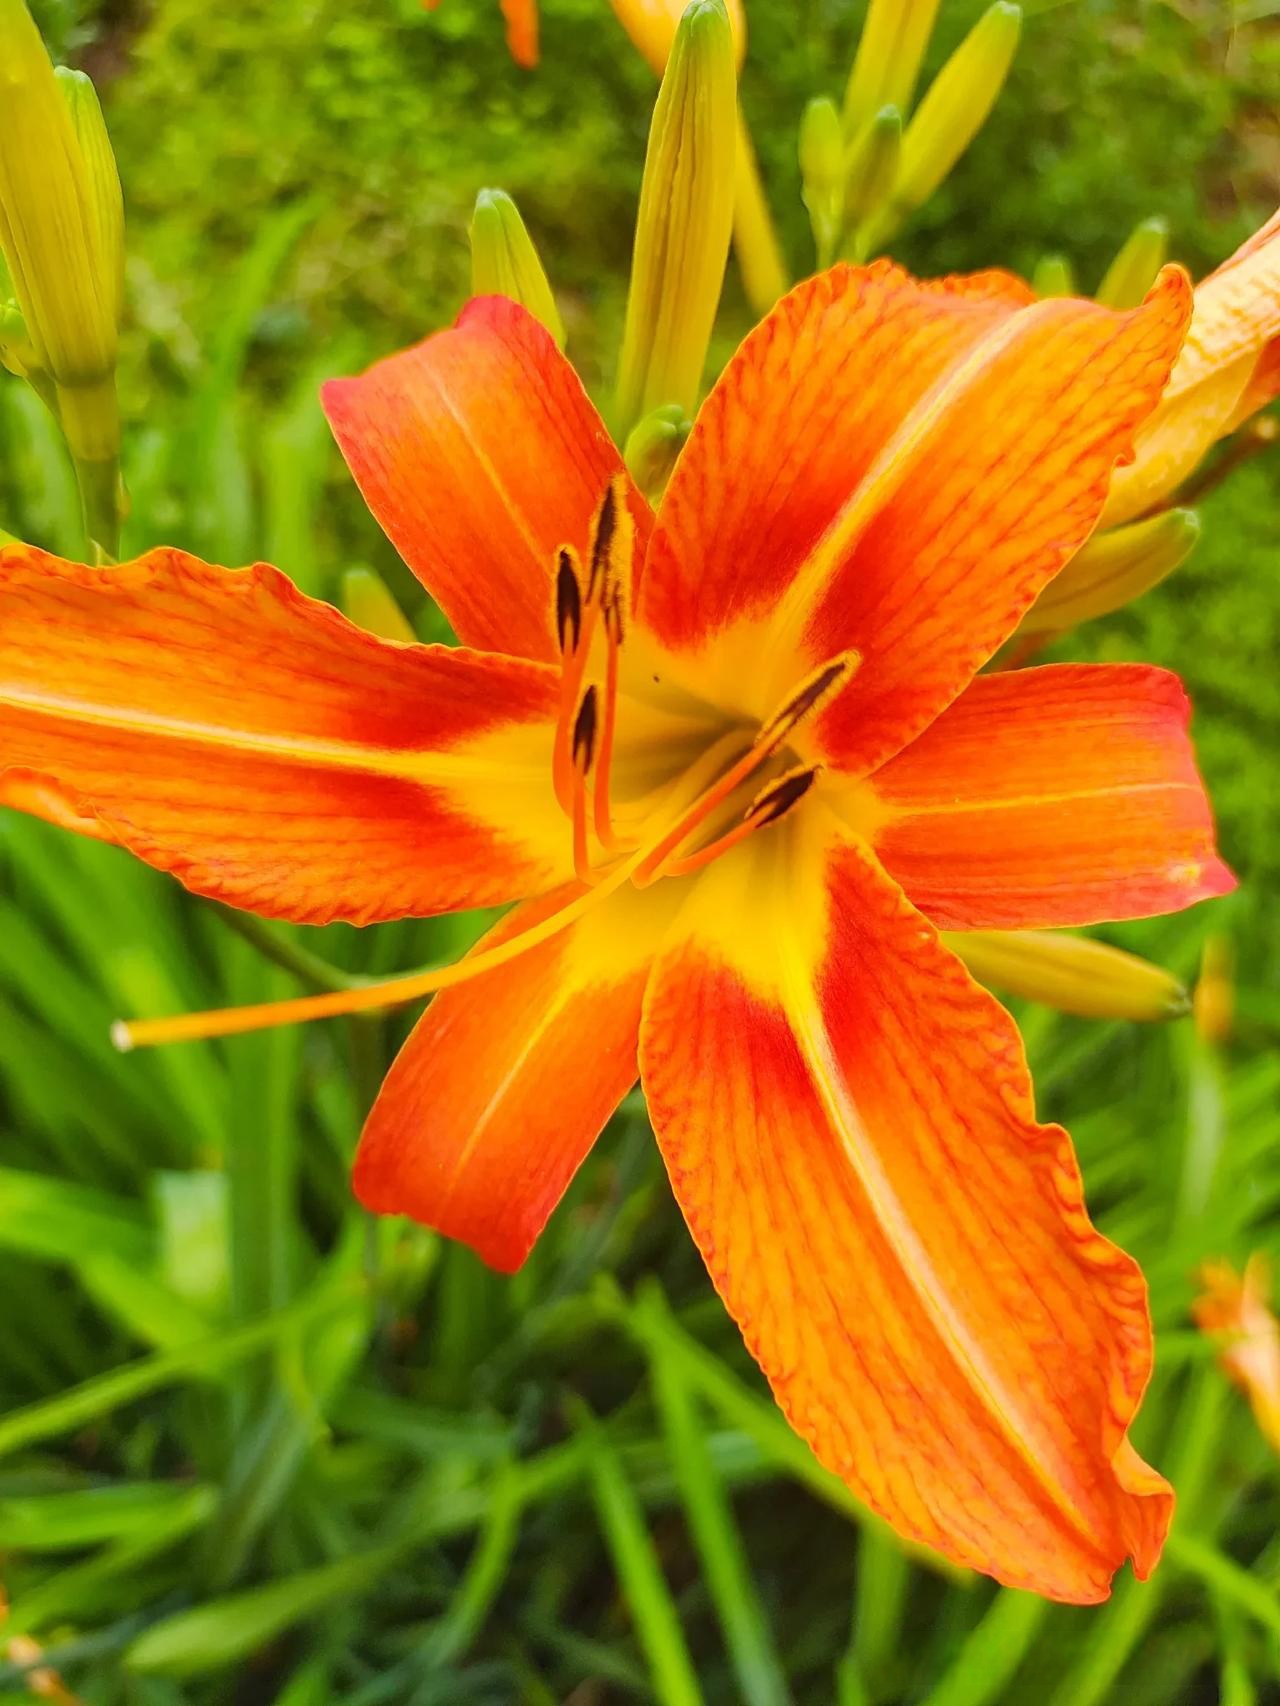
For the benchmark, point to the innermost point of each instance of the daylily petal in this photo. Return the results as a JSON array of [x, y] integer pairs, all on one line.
[[226, 728], [848, 1124], [505, 1083], [1225, 372], [911, 489], [791, 427], [480, 454], [1064, 795], [522, 29]]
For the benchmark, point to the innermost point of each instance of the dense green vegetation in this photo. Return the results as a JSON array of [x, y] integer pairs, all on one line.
[[257, 1448]]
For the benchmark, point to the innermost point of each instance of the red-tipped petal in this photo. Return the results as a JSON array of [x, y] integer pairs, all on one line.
[[505, 1083], [848, 1124], [480, 454], [252, 741], [1066, 795]]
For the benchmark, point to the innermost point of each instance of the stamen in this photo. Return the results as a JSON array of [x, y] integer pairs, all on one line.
[[815, 691], [602, 807], [602, 531], [771, 803], [568, 601], [584, 732]]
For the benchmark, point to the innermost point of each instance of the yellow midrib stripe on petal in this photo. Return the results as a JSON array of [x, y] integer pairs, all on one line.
[[796, 990], [415, 766], [892, 465]]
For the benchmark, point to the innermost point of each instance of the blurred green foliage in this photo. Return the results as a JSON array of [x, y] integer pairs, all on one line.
[[259, 1449]]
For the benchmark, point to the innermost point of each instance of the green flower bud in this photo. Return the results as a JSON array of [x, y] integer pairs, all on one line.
[[892, 45], [1072, 973], [686, 213], [504, 261], [822, 174], [50, 223], [1054, 276], [369, 602], [952, 113], [1132, 273], [102, 180], [653, 445], [872, 168], [1112, 569]]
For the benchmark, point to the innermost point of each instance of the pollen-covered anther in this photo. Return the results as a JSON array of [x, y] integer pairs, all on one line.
[[816, 691], [777, 799], [584, 732], [771, 803], [568, 601]]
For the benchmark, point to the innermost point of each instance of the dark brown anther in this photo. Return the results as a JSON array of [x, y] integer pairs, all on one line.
[[602, 538], [769, 805], [568, 603], [584, 731], [613, 623], [816, 688]]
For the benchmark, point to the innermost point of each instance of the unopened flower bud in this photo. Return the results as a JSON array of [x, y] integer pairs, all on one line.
[[683, 227], [822, 174], [652, 25], [504, 261], [890, 49], [871, 171], [952, 112], [101, 177], [52, 225], [1072, 973], [369, 602], [1131, 275], [1215, 997], [653, 445], [1054, 276], [1112, 569]]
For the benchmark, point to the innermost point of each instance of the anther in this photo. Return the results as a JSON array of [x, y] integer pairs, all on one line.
[[584, 732], [773, 802], [568, 602], [816, 691], [606, 522]]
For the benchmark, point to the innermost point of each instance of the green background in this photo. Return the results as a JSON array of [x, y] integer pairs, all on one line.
[[258, 1448]]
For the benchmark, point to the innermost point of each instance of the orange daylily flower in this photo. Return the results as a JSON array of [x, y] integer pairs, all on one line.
[[1237, 1307], [739, 755], [522, 28], [1229, 368]]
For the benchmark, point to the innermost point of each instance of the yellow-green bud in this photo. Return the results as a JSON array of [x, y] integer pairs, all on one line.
[[504, 261], [50, 224], [101, 177], [892, 45], [822, 174], [1072, 973], [367, 599], [1112, 569], [684, 222], [1214, 1001], [1132, 273], [872, 169], [652, 447], [952, 112], [1054, 276]]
